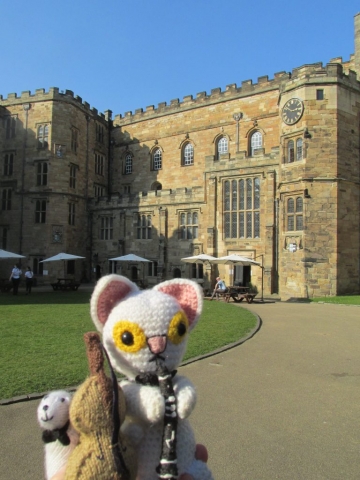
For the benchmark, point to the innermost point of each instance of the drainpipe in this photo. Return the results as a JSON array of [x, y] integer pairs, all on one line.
[[26, 108]]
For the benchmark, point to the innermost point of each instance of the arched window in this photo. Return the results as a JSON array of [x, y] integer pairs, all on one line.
[[188, 154], [156, 186], [256, 142], [222, 147], [157, 159], [299, 149], [128, 164]]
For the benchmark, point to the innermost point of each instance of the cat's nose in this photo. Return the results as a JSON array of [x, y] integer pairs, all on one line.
[[157, 344]]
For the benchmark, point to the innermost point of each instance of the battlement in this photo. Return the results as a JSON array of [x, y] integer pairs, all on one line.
[[54, 93], [334, 69]]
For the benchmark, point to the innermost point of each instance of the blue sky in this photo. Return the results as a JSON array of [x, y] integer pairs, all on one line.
[[127, 54]]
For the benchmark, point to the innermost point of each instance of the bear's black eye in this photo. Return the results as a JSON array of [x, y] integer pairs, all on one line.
[[63, 400], [127, 338], [181, 329]]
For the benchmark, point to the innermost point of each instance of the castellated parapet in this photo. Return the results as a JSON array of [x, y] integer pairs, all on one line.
[[54, 94], [333, 71]]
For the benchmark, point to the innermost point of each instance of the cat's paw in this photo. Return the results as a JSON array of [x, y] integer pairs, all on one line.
[[186, 397]]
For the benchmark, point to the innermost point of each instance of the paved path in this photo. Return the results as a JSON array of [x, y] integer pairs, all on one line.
[[284, 405]]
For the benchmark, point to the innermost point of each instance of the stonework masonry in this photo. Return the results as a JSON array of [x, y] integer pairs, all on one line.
[[268, 170]]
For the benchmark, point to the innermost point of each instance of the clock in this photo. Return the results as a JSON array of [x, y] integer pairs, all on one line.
[[292, 111]]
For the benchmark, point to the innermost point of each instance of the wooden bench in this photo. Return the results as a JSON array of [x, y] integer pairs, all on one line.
[[249, 297]]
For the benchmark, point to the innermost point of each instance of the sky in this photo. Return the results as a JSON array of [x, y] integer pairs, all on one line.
[[128, 54]]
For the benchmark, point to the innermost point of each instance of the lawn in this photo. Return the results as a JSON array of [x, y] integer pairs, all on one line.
[[42, 338], [341, 300]]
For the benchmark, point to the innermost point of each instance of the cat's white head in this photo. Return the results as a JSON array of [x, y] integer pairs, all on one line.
[[144, 328]]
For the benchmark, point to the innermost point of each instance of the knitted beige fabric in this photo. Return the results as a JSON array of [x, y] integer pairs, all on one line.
[[91, 415]]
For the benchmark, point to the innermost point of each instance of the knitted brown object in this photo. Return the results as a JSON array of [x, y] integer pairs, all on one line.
[[98, 456]]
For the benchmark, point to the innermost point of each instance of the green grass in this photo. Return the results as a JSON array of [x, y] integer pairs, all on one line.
[[343, 300], [42, 338]]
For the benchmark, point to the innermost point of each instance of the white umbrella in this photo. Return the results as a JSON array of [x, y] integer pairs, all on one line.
[[61, 256], [234, 259], [5, 254], [202, 258], [129, 258]]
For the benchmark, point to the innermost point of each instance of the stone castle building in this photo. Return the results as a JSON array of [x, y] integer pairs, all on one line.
[[269, 170]]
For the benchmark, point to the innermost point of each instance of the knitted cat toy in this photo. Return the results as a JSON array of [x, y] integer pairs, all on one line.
[[145, 334]]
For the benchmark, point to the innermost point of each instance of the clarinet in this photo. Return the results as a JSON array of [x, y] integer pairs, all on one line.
[[167, 468]]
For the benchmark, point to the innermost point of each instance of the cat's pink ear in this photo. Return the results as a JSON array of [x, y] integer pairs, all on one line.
[[188, 294], [109, 291]]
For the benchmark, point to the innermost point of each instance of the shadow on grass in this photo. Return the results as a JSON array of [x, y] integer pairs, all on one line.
[[45, 298]]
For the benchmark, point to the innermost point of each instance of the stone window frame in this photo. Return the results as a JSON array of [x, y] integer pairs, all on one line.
[[256, 142], [42, 135], [38, 266], [294, 212], [72, 175], [99, 132], [241, 207], [40, 210], [42, 172], [187, 154], [156, 158], [144, 226], [74, 142], [99, 190], [71, 216], [188, 224], [99, 163], [153, 269], [10, 122], [297, 137], [8, 169], [128, 163], [106, 227], [6, 197]]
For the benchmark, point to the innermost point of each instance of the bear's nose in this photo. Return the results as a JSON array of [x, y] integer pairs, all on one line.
[[157, 344]]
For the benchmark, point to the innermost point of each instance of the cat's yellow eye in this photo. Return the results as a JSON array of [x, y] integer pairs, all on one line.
[[178, 328], [128, 336]]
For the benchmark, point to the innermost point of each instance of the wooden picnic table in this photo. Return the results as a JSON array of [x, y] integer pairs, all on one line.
[[65, 284], [238, 293]]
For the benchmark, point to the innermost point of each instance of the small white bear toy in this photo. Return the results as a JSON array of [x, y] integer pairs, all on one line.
[[58, 435], [145, 334]]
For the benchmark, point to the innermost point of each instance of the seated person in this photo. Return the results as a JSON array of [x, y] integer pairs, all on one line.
[[220, 287]]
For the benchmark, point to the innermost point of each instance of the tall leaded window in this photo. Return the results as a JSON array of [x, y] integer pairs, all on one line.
[[197, 270], [189, 225], [106, 228], [128, 164], [144, 227], [290, 151], [72, 180], [256, 142], [10, 127], [188, 154], [294, 214], [40, 211], [8, 164], [99, 164], [157, 159], [99, 133], [38, 266], [71, 219], [6, 199], [222, 146], [41, 173], [242, 208], [43, 135], [74, 139], [152, 269], [299, 149]]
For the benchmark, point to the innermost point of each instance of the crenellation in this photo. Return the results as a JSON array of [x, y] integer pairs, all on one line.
[[86, 105], [25, 94], [78, 99], [94, 111], [139, 111], [150, 108], [161, 105], [231, 87], [69, 92], [216, 91], [12, 96], [188, 98], [40, 91], [263, 79], [175, 102], [201, 95]]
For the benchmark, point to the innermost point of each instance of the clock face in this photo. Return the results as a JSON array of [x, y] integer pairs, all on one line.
[[292, 111]]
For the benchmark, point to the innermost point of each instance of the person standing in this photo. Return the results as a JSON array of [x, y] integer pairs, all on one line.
[[28, 280], [220, 287], [15, 278]]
